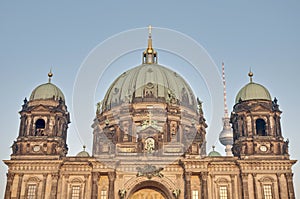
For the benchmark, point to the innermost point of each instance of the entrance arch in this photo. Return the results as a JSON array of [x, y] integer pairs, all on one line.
[[150, 190], [147, 193]]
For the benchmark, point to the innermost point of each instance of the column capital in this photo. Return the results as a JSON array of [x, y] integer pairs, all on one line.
[[111, 176]]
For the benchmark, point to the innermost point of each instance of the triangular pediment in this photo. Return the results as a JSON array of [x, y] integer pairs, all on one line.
[[40, 108], [149, 130], [260, 107]]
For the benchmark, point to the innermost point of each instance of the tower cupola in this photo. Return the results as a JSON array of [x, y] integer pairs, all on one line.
[[256, 123], [44, 123]]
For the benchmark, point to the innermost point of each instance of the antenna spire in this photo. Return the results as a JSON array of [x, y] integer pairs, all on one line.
[[224, 91]]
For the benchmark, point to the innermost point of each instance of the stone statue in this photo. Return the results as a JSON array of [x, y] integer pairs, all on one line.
[[122, 193], [176, 193], [99, 105]]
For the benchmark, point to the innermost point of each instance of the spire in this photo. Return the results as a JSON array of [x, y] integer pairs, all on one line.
[[149, 49], [224, 91], [250, 74], [50, 74], [149, 55], [226, 135]]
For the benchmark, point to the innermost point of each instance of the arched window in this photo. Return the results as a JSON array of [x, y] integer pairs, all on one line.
[[261, 127], [39, 127]]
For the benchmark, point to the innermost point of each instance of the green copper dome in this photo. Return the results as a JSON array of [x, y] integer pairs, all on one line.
[[47, 91], [149, 82], [253, 91], [83, 153], [214, 153]]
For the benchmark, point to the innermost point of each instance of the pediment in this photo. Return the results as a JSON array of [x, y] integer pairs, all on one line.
[[40, 108], [149, 130], [259, 108]]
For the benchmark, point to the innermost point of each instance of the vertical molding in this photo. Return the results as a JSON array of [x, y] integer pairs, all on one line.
[[279, 185], [187, 179], [95, 181], [255, 185], [44, 185], [204, 176], [245, 185], [239, 186], [65, 182], [10, 179], [53, 194], [19, 184], [86, 181], [289, 179], [233, 190], [111, 189], [200, 186]]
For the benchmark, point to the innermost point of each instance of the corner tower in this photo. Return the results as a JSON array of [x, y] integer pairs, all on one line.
[[256, 124], [44, 123]]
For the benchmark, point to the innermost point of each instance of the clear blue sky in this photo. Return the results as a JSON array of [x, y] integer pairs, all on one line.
[[35, 36]]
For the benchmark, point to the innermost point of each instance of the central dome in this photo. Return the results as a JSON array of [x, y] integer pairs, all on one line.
[[149, 83]]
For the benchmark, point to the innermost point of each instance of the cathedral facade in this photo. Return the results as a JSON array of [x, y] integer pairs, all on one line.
[[149, 142]]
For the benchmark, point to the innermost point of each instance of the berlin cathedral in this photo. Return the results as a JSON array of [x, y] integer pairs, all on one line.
[[149, 142]]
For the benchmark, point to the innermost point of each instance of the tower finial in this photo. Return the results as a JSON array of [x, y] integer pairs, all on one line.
[[149, 49], [250, 74], [224, 91], [50, 74], [149, 55]]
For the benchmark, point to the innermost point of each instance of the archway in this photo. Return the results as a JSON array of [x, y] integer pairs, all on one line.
[[150, 190], [147, 194]]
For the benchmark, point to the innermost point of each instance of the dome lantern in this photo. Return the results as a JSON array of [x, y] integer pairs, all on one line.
[[149, 55]]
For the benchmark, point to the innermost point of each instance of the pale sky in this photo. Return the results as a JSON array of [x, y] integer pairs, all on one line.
[[36, 36]]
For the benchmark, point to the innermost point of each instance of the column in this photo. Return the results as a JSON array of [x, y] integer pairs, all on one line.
[[187, 184], [290, 186], [254, 185], [86, 177], [95, 180], [19, 184], [64, 185], [44, 185], [53, 192], [245, 185], [279, 185], [111, 188], [204, 190], [10, 179], [200, 186]]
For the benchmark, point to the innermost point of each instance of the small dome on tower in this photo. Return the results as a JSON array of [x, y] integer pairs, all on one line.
[[47, 91], [252, 91], [83, 153], [214, 153]]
